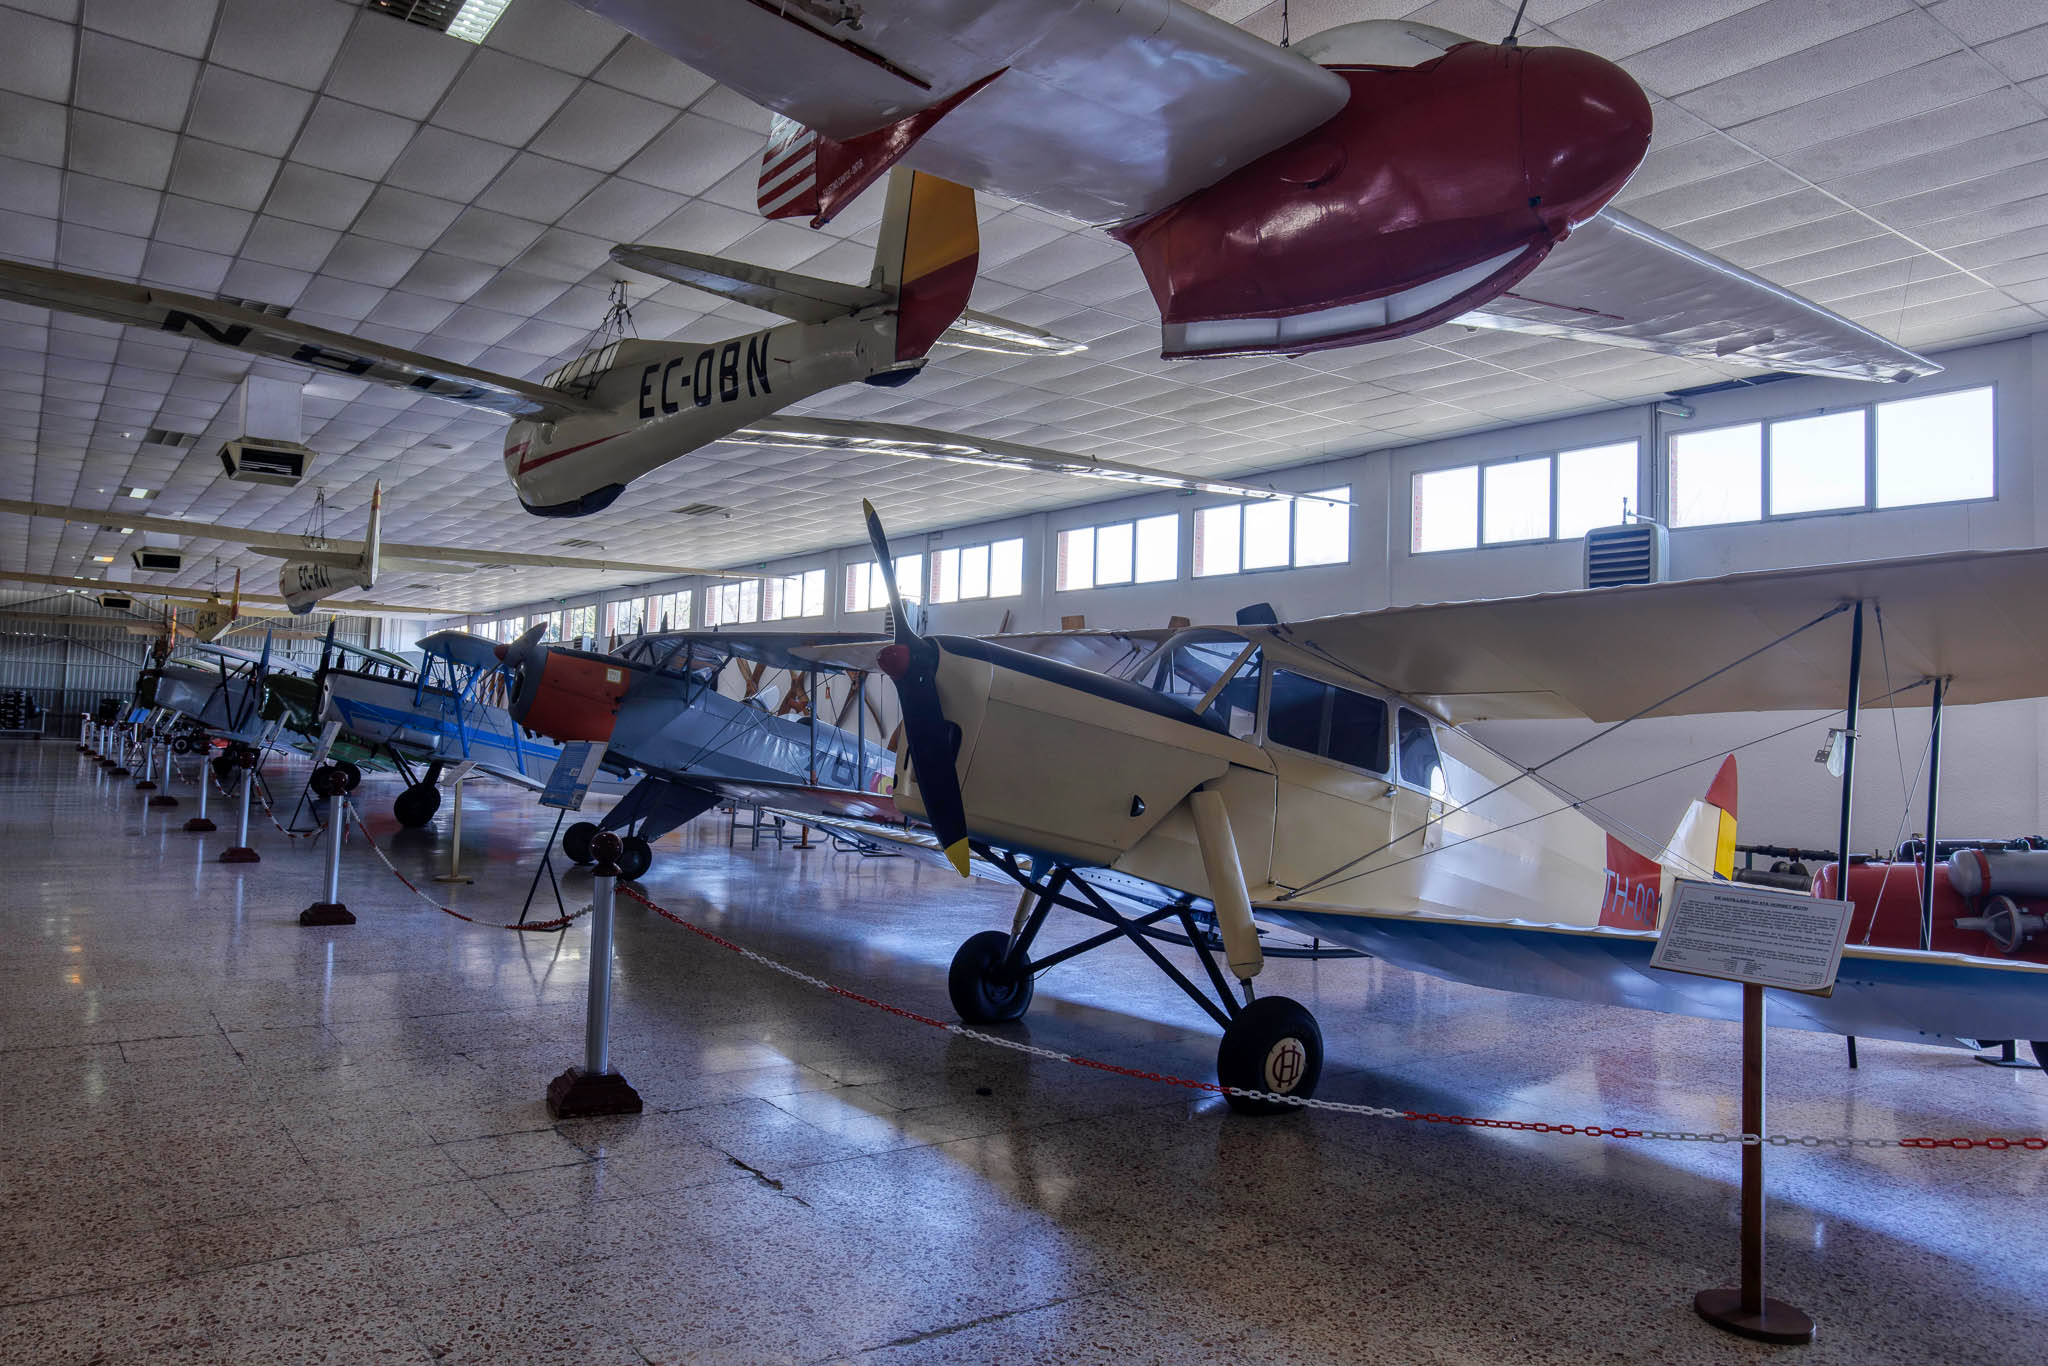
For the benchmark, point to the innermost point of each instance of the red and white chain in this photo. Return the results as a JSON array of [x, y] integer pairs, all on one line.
[[555, 924]]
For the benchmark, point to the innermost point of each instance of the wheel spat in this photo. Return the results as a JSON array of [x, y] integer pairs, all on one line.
[[912, 663]]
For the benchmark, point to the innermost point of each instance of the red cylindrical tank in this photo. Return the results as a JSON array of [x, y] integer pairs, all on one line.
[[1889, 894]]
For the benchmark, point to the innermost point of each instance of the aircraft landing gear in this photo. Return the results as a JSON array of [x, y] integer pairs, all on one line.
[[1270, 1045], [576, 842], [415, 807], [983, 988], [636, 856]]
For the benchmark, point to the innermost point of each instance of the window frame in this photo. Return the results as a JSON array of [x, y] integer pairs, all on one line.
[[1341, 492], [1554, 455], [1094, 531], [1264, 739], [1870, 503]]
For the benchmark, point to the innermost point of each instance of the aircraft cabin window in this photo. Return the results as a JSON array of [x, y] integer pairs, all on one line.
[[1189, 671], [1316, 718], [1421, 765]]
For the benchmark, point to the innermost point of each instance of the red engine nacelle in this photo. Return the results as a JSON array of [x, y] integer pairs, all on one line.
[[567, 695], [1437, 187], [1889, 894]]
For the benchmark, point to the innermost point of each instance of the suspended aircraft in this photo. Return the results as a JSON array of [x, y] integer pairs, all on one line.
[[1315, 775], [1367, 183], [629, 405], [316, 566]]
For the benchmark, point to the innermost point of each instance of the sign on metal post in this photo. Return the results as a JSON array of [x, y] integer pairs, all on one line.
[[575, 769], [1759, 935]]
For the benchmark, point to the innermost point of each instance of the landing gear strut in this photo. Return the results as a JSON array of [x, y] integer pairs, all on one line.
[[1270, 1045]]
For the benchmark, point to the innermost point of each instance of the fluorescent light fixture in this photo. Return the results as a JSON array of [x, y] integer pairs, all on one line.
[[141, 493], [127, 531], [469, 20], [103, 559]]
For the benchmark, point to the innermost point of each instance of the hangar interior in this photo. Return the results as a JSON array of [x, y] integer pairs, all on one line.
[[253, 1130]]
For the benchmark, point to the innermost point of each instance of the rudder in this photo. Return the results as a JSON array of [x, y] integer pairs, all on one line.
[[929, 250], [1702, 845]]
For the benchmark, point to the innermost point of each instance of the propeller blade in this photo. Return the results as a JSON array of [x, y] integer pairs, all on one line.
[[879, 539], [516, 653]]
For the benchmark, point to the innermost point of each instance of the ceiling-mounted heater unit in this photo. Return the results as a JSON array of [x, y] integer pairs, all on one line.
[[1638, 552], [158, 560], [116, 602], [254, 461]]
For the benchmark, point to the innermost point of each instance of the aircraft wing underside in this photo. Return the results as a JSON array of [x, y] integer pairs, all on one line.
[[1620, 282], [1605, 654], [1104, 109]]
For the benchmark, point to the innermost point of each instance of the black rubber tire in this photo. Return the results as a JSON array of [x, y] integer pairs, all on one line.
[[351, 776], [1273, 1045], [2040, 1048], [182, 744], [636, 856], [576, 841], [977, 995], [415, 807]]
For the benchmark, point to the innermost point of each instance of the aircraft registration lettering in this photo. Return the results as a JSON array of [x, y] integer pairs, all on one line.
[[720, 373], [177, 320]]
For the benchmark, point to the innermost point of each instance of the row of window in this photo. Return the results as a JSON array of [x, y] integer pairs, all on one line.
[[1907, 452], [1230, 538]]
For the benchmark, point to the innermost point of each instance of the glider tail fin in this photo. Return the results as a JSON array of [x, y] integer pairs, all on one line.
[[1702, 846], [927, 255]]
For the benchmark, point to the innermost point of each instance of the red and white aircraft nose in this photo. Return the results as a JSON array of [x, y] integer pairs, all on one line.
[[1585, 128]]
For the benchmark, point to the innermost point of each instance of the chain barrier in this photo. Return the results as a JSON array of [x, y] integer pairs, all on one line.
[[263, 797], [1334, 1106], [557, 923]]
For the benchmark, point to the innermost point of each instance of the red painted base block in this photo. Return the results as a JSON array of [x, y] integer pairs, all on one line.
[[163, 799], [200, 825], [326, 913], [241, 853], [578, 1094], [1779, 1322]]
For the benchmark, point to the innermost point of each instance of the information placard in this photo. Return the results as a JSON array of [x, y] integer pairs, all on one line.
[[574, 771], [1742, 933]]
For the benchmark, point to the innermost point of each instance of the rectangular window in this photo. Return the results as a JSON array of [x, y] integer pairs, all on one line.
[[814, 592], [1717, 475], [1312, 529], [1444, 510], [1595, 487], [1515, 501], [1268, 534], [1334, 723], [793, 595], [1322, 530], [1937, 449], [963, 573], [971, 578], [1817, 463], [867, 591], [671, 611], [1218, 540], [1144, 551], [582, 623]]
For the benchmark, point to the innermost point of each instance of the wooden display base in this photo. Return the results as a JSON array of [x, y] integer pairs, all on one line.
[[241, 853], [1776, 1322], [578, 1094], [200, 825], [326, 913]]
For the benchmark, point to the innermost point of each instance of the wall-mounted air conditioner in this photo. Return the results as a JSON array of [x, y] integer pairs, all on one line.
[[1639, 552], [158, 560]]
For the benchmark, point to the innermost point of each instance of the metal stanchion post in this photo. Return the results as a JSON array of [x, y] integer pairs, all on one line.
[[85, 733], [199, 824], [121, 743], [454, 873], [594, 1089], [328, 782], [148, 781], [243, 760], [164, 798]]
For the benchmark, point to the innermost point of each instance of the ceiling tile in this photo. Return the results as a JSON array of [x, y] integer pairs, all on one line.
[[602, 128], [504, 99], [222, 175], [36, 59], [556, 33], [129, 81], [322, 198], [447, 164], [247, 111], [180, 25], [402, 68], [352, 139], [116, 150], [31, 129], [652, 74], [401, 216], [538, 188]]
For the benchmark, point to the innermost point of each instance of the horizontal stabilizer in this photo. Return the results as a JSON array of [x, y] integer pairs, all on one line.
[[801, 298]]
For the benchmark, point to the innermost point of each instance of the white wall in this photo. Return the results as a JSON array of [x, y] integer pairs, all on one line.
[[1992, 765]]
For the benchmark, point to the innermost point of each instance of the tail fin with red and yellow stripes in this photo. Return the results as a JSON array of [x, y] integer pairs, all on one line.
[[927, 255], [1702, 846]]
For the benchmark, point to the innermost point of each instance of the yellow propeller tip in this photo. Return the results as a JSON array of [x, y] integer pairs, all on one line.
[[867, 508], [957, 853]]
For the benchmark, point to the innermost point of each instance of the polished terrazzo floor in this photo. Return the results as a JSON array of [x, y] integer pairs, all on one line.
[[231, 1139]]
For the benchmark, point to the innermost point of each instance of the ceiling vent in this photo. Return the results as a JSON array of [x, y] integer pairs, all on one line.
[[469, 20], [1639, 552], [265, 462], [158, 560], [699, 509], [582, 543], [164, 436], [256, 306]]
